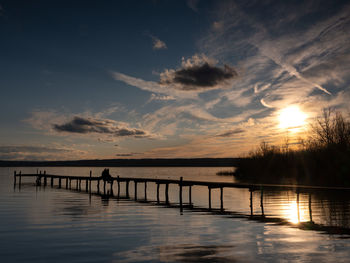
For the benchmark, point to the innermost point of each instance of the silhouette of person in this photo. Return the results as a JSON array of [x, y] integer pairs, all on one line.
[[106, 176]]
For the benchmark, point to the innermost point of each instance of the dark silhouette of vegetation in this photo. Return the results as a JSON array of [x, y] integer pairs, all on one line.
[[322, 159]]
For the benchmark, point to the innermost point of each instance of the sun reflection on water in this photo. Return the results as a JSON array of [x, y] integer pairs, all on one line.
[[296, 212]]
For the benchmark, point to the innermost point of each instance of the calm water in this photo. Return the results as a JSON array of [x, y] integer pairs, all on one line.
[[44, 224]]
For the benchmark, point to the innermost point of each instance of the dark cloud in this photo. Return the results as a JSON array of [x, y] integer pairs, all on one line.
[[230, 133], [195, 77], [103, 126]]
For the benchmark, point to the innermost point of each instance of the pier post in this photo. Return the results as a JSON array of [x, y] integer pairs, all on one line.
[[127, 189], [112, 186], [104, 186], [310, 210], [79, 184], [190, 195], [38, 180], [209, 189], [145, 190], [90, 180], [86, 185], [262, 201], [14, 178], [221, 199], [59, 182], [70, 183], [298, 205], [135, 189], [51, 180], [45, 179], [180, 193], [20, 178], [98, 185], [66, 182], [158, 193], [118, 186], [251, 201], [167, 193]]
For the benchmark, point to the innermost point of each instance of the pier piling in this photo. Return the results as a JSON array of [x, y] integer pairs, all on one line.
[[45, 180], [209, 189], [14, 178], [221, 199], [118, 181], [262, 201], [90, 175], [167, 194], [251, 201], [180, 192]]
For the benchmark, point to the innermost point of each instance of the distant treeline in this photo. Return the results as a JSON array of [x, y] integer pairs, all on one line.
[[196, 162], [322, 159]]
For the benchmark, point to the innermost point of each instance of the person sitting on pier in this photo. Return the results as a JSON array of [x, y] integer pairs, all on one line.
[[106, 176]]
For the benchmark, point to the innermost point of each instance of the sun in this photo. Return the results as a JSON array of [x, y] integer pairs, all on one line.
[[291, 118]]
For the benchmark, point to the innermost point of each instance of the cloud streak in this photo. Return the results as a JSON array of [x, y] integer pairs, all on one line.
[[31, 152]]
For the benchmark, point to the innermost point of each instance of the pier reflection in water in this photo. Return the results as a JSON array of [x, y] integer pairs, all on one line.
[[282, 206], [199, 234]]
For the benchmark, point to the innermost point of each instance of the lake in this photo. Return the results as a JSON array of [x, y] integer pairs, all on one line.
[[49, 224]]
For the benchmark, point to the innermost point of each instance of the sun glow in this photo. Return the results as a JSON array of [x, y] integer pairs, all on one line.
[[291, 118]]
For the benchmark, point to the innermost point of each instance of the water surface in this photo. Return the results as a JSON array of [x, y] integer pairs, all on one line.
[[41, 224]]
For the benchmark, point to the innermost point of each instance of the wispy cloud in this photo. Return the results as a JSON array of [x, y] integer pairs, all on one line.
[[193, 4], [152, 86], [284, 62], [157, 43], [230, 133], [127, 154], [160, 98], [31, 152]]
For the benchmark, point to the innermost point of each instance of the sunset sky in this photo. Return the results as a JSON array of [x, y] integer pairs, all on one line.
[[166, 79]]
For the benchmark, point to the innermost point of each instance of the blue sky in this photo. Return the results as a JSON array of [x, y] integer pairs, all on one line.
[[147, 79]]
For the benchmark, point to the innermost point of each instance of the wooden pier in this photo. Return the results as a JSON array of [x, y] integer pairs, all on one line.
[[42, 178]]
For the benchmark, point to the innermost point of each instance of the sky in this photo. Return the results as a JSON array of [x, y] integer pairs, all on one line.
[[167, 79]]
